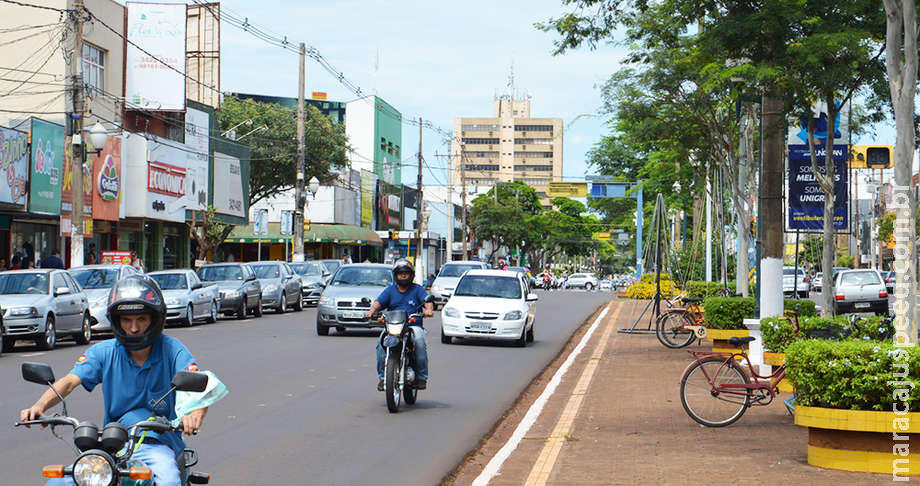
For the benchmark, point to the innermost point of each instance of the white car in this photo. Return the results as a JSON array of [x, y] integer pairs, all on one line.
[[96, 281], [587, 281], [605, 285], [448, 277], [490, 304]]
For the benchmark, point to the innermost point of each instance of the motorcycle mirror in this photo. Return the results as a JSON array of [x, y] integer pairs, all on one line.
[[190, 381], [37, 373]]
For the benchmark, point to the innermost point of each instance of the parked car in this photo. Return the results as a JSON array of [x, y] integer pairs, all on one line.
[[443, 286], [96, 281], [240, 290], [817, 282], [860, 291], [187, 298], [349, 295], [491, 304], [531, 282], [890, 279], [587, 281], [331, 266], [42, 304], [280, 286], [313, 280], [795, 281], [605, 285]]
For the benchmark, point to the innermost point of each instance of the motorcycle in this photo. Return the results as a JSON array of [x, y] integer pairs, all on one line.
[[104, 457], [399, 376]]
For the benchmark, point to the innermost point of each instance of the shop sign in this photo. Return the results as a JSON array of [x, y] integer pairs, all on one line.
[[166, 179], [47, 158], [108, 184], [14, 164], [116, 256]]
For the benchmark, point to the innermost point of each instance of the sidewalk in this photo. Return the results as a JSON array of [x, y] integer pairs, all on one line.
[[624, 424]]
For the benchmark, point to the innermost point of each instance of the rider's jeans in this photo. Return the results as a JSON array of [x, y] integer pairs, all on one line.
[[421, 354], [158, 457]]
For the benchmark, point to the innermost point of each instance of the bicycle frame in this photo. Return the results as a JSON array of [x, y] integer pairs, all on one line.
[[775, 377]]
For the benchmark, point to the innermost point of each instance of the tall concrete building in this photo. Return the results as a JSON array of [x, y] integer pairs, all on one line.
[[509, 146]]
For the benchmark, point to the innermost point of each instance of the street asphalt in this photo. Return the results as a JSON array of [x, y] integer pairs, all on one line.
[[304, 409]]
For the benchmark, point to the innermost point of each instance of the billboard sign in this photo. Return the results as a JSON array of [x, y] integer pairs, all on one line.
[[45, 173], [107, 181], [798, 132], [228, 185], [806, 198], [155, 82], [368, 188], [14, 165]]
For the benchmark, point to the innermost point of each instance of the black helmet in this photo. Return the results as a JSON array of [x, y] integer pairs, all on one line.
[[402, 265], [133, 295]]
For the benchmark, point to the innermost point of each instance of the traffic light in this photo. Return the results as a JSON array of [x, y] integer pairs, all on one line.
[[871, 156]]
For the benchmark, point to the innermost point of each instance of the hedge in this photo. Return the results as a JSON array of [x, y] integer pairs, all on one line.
[[852, 374], [700, 290], [778, 334], [804, 307], [727, 312]]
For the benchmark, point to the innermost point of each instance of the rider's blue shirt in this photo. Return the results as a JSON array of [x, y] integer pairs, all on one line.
[[130, 390], [410, 301]]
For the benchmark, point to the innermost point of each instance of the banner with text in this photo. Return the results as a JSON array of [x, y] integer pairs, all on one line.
[[806, 198]]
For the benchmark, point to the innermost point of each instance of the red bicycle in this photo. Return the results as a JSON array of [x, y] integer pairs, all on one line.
[[716, 391]]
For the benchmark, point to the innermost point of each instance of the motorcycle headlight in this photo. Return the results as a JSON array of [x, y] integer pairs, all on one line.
[[451, 312], [92, 470], [395, 329], [513, 315], [22, 312]]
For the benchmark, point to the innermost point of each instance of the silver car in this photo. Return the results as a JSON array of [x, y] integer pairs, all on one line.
[[187, 298], [860, 291], [240, 290], [280, 286], [349, 296], [42, 304], [587, 281], [444, 285], [312, 280], [96, 281], [795, 281]]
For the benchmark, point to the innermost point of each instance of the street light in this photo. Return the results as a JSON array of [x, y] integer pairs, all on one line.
[[247, 122], [314, 186], [97, 136]]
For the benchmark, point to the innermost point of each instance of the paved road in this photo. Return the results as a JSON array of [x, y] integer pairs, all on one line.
[[304, 409]]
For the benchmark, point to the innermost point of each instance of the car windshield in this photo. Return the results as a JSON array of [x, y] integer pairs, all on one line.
[[819, 275], [265, 271], [310, 269], [24, 283], [331, 265], [95, 278], [456, 270], [170, 281], [225, 272], [489, 286], [853, 279], [380, 277]]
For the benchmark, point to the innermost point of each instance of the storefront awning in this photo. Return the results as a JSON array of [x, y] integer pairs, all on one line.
[[342, 234]]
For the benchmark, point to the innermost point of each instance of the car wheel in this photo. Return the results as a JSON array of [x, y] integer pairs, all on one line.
[[282, 303], [86, 331], [212, 318], [589, 286], [49, 338], [189, 316], [522, 341], [530, 334], [8, 344], [445, 339], [257, 312], [241, 314], [298, 306], [340, 330], [321, 330]]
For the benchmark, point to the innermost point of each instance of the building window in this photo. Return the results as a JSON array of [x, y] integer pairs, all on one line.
[[524, 141], [383, 144], [537, 168], [480, 167], [93, 67], [521, 155], [533, 128], [480, 141], [480, 127], [390, 148]]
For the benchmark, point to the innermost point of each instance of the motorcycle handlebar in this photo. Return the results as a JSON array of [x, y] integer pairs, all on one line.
[[55, 420]]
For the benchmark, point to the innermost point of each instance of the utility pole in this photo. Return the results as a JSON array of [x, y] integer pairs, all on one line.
[[770, 280], [463, 232], [419, 271], [79, 145], [299, 198], [450, 209], [708, 228]]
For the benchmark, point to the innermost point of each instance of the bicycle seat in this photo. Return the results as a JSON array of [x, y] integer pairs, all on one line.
[[738, 341], [691, 300]]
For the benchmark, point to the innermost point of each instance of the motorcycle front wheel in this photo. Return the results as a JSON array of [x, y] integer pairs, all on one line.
[[391, 383], [410, 394]]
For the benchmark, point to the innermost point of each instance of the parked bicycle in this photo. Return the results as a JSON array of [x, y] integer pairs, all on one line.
[[672, 327], [716, 391]]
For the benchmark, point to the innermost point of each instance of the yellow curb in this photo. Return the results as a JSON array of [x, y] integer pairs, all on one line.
[[546, 461], [856, 420], [863, 461]]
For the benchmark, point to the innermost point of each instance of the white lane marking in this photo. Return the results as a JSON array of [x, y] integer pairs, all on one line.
[[32, 354], [533, 412]]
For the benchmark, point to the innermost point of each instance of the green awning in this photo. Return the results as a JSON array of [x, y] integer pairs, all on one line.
[[342, 234]]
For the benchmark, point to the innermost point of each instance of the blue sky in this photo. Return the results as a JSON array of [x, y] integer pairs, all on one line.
[[437, 60]]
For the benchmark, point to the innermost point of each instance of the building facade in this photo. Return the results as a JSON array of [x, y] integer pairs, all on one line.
[[374, 130], [509, 146]]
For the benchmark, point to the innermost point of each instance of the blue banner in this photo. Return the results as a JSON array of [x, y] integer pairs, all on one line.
[[806, 198]]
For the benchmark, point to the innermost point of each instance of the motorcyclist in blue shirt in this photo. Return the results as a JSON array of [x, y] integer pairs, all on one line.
[[135, 369], [407, 296]]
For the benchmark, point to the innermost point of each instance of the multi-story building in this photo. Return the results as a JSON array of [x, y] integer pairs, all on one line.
[[335, 110], [374, 130], [509, 146]]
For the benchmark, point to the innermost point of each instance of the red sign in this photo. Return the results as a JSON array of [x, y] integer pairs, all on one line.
[[116, 256], [166, 179]]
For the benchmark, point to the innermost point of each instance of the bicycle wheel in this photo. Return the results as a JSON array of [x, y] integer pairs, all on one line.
[[671, 329], [701, 400]]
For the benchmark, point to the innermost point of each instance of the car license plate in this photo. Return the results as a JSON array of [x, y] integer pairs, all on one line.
[[353, 315], [481, 326], [861, 305]]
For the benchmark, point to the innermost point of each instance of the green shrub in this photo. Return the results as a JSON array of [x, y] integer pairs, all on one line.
[[778, 334], [701, 290], [852, 374], [804, 307], [727, 312]]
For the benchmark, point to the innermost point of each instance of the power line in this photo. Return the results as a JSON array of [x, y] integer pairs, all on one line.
[[32, 5]]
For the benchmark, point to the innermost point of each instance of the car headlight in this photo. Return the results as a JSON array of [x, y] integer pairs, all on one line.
[[270, 288], [311, 285], [22, 312], [513, 315], [92, 470], [172, 302], [435, 288], [451, 312], [229, 294], [326, 300]]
